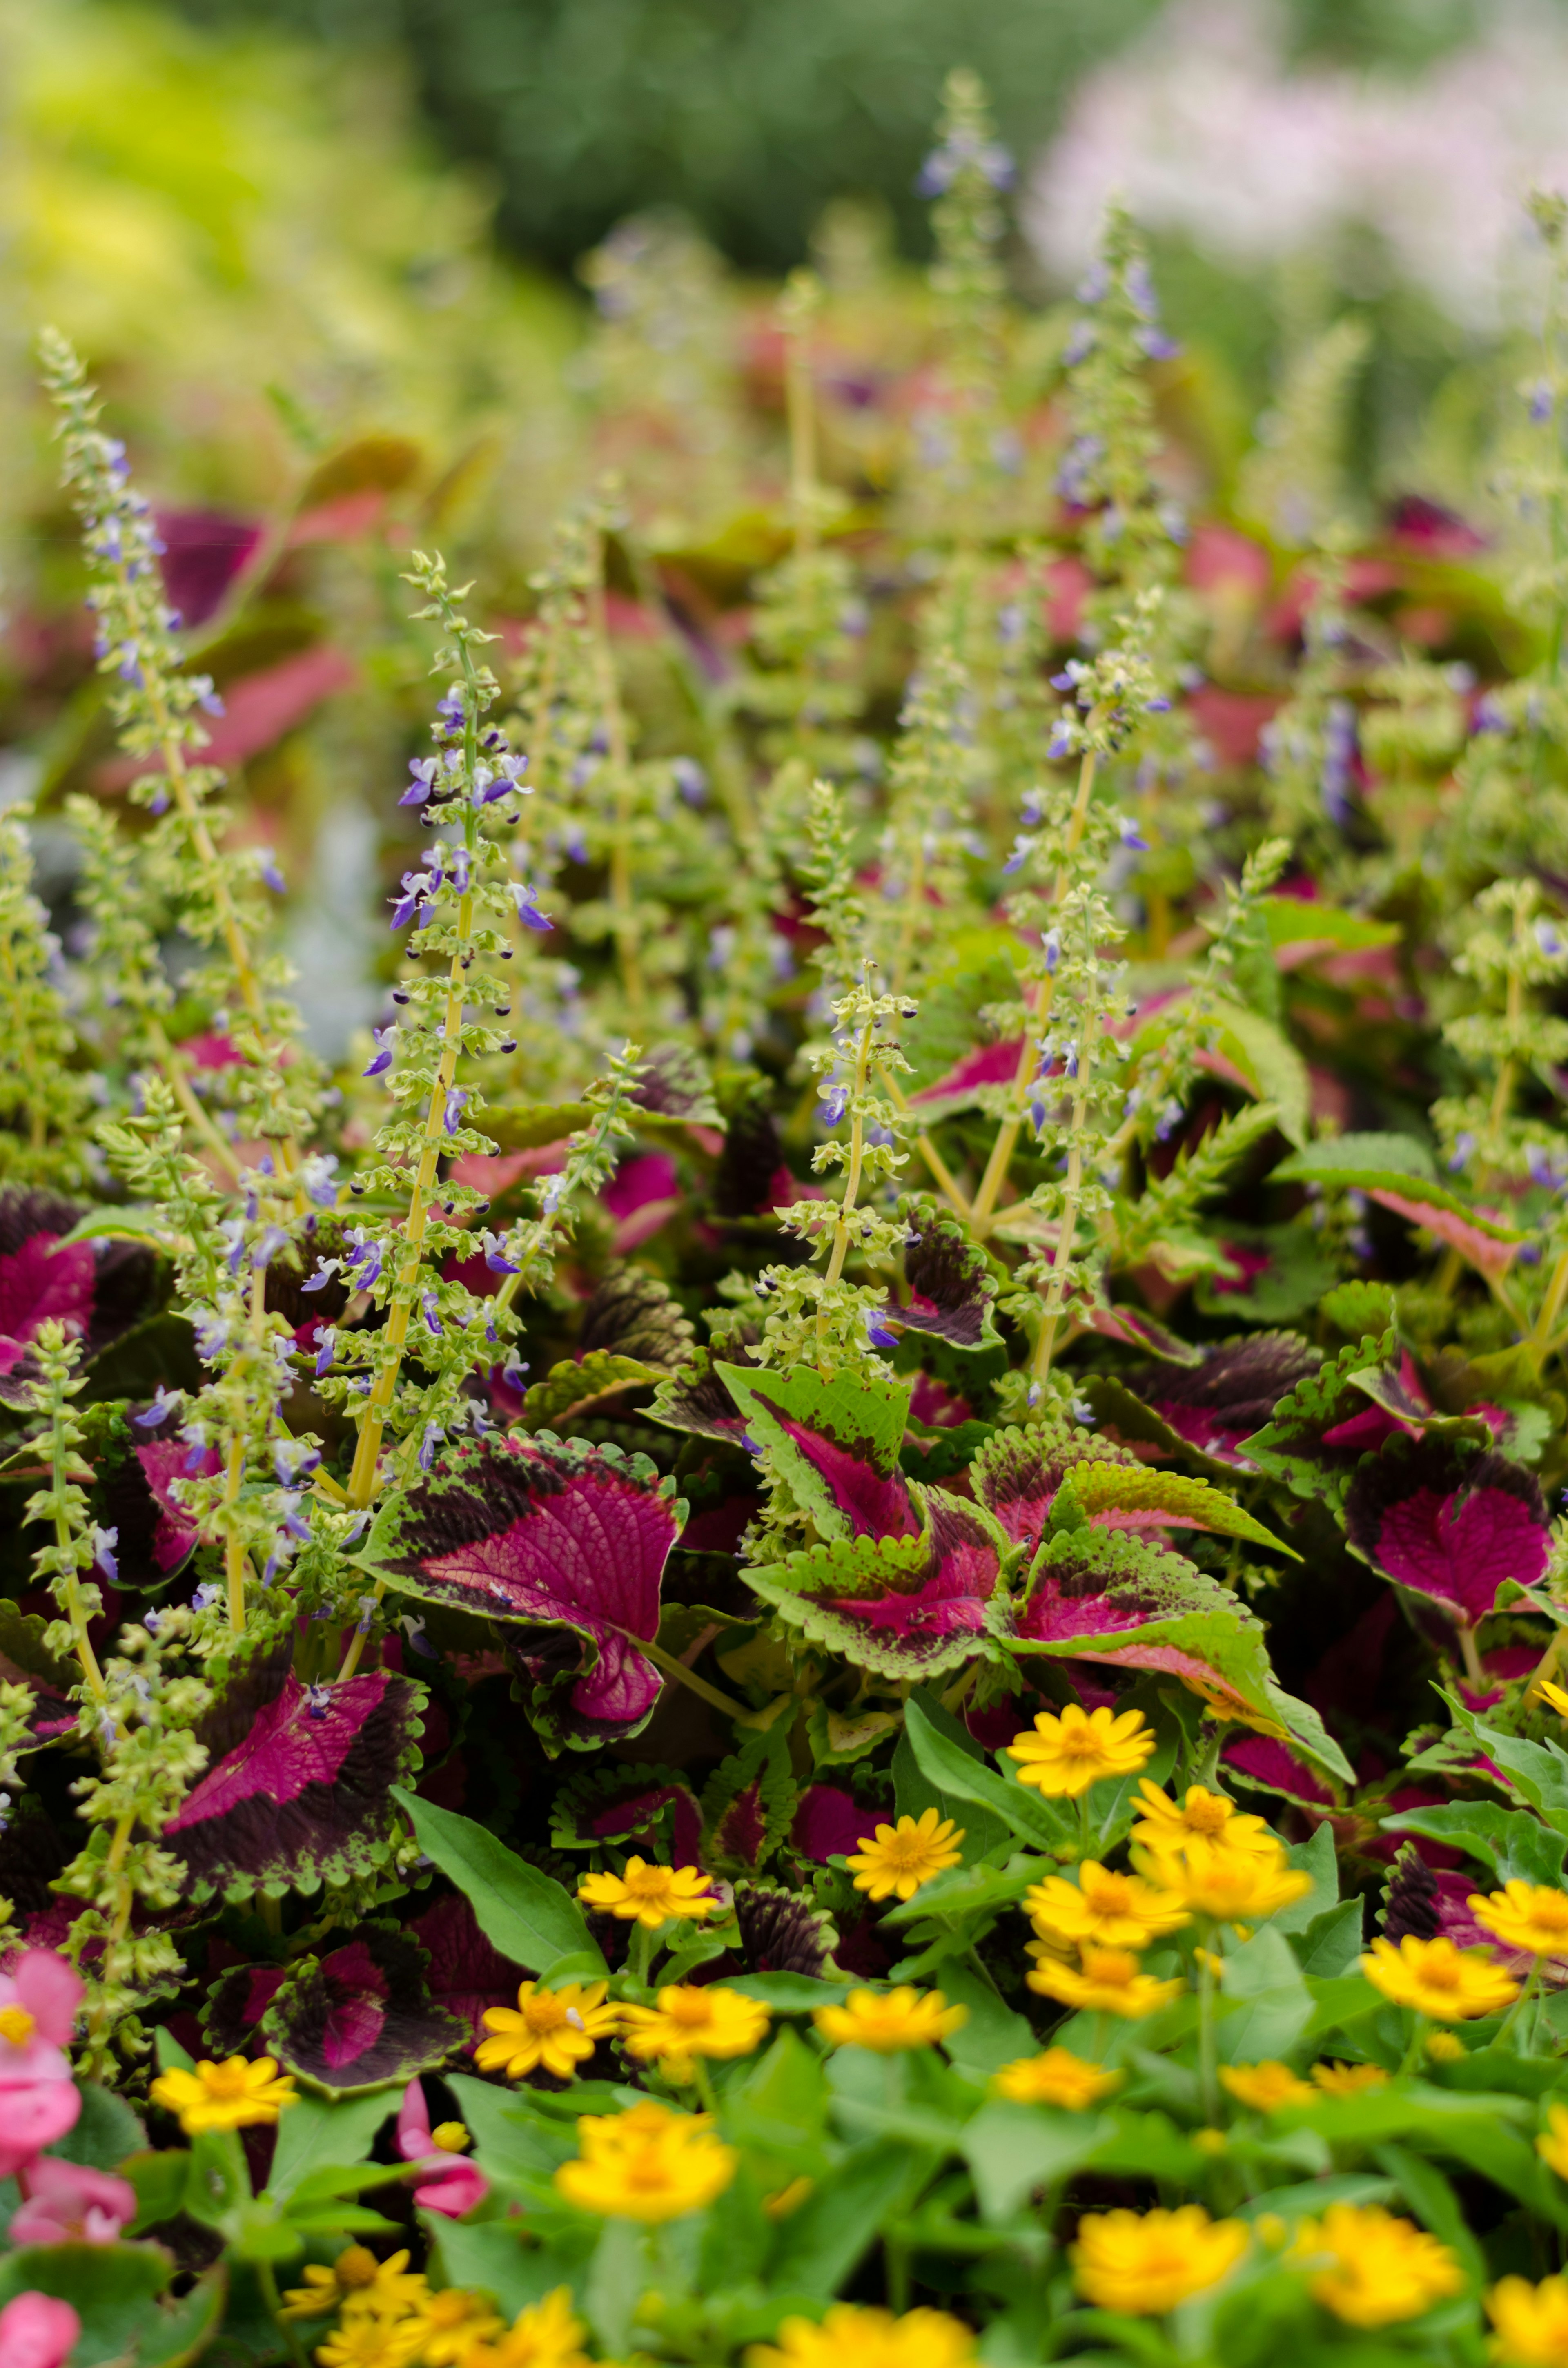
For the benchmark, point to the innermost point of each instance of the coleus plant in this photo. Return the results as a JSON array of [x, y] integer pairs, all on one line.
[[840, 1298]]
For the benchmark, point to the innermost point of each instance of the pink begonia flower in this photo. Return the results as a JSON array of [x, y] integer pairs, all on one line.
[[38, 2099], [68, 2203], [37, 2331], [456, 2185]]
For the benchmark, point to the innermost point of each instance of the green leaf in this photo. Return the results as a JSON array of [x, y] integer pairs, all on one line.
[[1295, 921], [1273, 2004], [954, 1773], [1012, 2150], [1269, 1062], [159, 2178], [859, 1414], [524, 1913], [1509, 1841], [112, 2288], [1315, 1858], [1191, 1504], [995, 2033], [616, 2281], [574, 1385], [789, 1993], [1344, 1159], [181, 2331], [1332, 1943], [491, 2258], [914, 1792], [319, 2133], [106, 2132], [1536, 1771], [821, 2243], [529, 1126]]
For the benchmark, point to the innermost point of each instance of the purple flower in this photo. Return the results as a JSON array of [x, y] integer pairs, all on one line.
[[327, 1336], [104, 1542], [1023, 848], [432, 1319], [496, 1257], [381, 1058], [1130, 834], [269, 1244], [422, 770], [164, 1403], [690, 780], [433, 1437], [271, 876], [457, 1102], [1060, 741], [292, 1459], [413, 885], [366, 1262], [528, 913], [877, 1332], [835, 1102], [326, 1269], [293, 1522]]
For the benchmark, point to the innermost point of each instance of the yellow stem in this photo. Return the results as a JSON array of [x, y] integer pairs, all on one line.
[[840, 1250], [941, 1174], [622, 903]]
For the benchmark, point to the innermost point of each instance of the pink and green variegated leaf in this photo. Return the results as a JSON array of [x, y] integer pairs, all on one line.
[[567, 1542], [650, 1809], [26, 1661], [94, 1290], [1208, 1413], [836, 1442], [1096, 1596], [1298, 1444], [902, 1607], [697, 1398], [1448, 1523], [748, 1804], [360, 2017], [1134, 1330], [1143, 1499], [1015, 1474], [296, 1792], [950, 1284], [1272, 1767]]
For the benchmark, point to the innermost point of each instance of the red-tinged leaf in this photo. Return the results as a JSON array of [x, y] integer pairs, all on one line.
[[699, 1399], [830, 1823], [837, 1443], [1477, 1244], [1096, 1596], [1017, 1473], [1448, 1523], [1261, 1760], [95, 1290], [466, 1973], [568, 1543], [950, 1287], [652, 1810], [360, 2016], [960, 1087], [259, 710], [296, 1792], [1216, 1406], [204, 552], [154, 1533], [1134, 1330], [26, 1661], [906, 1607]]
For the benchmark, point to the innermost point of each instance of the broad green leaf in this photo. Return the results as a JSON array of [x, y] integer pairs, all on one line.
[[180, 2331], [954, 1773], [575, 1385], [789, 1993], [1297, 922], [1273, 2005], [804, 1419], [524, 1913], [1012, 2150], [820, 2242], [1509, 1841], [105, 2134], [1333, 1942], [1317, 1858], [529, 1126], [318, 2135], [112, 2288], [914, 1792], [491, 2258], [1269, 1062], [1339, 1159], [1189, 1504], [995, 2033]]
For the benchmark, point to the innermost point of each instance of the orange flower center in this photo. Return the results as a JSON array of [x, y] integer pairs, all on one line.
[[16, 2025]]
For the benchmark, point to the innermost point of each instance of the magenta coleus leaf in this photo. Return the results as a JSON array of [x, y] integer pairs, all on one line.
[[360, 2016], [652, 1810], [1099, 1595], [95, 1290], [905, 1606], [466, 1973], [960, 1086], [154, 1533], [1448, 1524], [565, 1541], [1017, 1473], [296, 1792], [1263, 1762], [1217, 1404], [950, 1287], [836, 1441]]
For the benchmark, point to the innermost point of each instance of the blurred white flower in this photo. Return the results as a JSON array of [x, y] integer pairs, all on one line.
[[1204, 129]]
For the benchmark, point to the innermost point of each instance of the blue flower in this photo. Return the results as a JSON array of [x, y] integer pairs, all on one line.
[[877, 1332], [1127, 830], [457, 1102], [381, 1058], [528, 913], [104, 1542], [164, 1403], [327, 1336]]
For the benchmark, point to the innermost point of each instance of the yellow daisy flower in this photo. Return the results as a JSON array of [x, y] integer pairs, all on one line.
[[366, 2342], [901, 1858], [555, 2030], [1201, 1815], [454, 2320], [1110, 1982], [1064, 1756], [1349, 2079], [647, 2163], [1446, 2047], [1554, 1695], [354, 2278], [233, 2095], [1552, 2143], [546, 2335], [1118, 1911], [1264, 2087], [1147, 2262], [1449, 1984], [1379, 2269], [1529, 1915], [887, 2020], [1531, 2321], [1230, 1886], [650, 1894], [869, 2338], [1057, 2077], [692, 2019]]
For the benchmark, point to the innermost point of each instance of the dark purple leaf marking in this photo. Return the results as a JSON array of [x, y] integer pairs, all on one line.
[[1447, 1524]]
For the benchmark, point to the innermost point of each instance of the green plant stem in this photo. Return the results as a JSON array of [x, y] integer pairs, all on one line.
[[1208, 2082], [267, 2280], [840, 1249], [687, 1678]]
